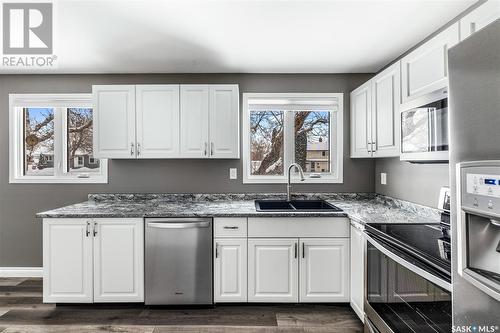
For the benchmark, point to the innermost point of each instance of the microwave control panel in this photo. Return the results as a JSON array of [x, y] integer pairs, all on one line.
[[480, 187]]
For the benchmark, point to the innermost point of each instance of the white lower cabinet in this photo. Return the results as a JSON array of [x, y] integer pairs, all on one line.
[[67, 261], [230, 269], [324, 270], [118, 260], [273, 270], [93, 260], [298, 270], [357, 271]]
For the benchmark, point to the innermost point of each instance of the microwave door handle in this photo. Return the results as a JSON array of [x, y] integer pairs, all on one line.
[[429, 129]]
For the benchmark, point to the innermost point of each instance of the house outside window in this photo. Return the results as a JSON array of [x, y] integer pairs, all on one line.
[[51, 139], [280, 129]]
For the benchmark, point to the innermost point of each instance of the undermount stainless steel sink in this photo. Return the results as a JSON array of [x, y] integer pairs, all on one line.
[[295, 205]]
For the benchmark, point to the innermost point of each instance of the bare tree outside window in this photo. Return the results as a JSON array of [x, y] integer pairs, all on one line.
[[266, 142], [38, 141], [312, 140], [79, 139]]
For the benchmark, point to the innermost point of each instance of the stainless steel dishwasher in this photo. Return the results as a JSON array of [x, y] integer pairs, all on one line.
[[178, 261]]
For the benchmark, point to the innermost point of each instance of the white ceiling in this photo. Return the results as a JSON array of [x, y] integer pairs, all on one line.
[[187, 36]]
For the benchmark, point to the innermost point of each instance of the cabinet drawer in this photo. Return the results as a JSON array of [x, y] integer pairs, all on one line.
[[298, 227], [230, 227]]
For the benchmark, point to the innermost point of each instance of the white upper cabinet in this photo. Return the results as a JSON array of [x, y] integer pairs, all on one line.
[[67, 261], [118, 260], [114, 121], [324, 270], [375, 116], [425, 69], [194, 121], [157, 121], [479, 18], [224, 121], [166, 121], [385, 112], [361, 121], [230, 268]]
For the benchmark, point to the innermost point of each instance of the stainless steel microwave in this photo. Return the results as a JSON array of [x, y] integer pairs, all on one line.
[[424, 130]]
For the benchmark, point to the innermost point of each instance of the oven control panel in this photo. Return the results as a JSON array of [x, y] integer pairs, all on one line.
[[480, 186]]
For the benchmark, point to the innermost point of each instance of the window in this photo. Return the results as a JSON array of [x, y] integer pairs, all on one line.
[[280, 129], [51, 140]]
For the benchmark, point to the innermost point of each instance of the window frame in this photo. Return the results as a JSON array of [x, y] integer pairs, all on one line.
[[336, 141], [58, 102]]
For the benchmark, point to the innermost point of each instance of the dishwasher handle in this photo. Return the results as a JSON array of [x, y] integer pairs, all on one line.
[[178, 225]]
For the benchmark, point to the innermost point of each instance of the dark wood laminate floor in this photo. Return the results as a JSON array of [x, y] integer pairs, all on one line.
[[22, 310]]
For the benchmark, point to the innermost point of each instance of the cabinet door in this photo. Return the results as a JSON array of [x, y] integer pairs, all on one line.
[[67, 261], [114, 121], [273, 270], [224, 121], [194, 121], [118, 260], [361, 121], [357, 270], [479, 18], [385, 112], [324, 270], [426, 69], [157, 115], [230, 270]]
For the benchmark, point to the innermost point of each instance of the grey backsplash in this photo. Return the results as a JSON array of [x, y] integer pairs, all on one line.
[[418, 183], [21, 233]]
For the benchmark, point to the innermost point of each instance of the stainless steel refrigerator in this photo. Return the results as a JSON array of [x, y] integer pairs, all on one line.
[[474, 115]]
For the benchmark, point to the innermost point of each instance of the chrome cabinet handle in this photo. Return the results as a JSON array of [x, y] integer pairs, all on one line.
[[87, 229], [211, 148], [216, 250], [95, 229], [131, 149], [231, 227], [303, 250], [206, 148], [138, 149], [295, 249], [374, 143]]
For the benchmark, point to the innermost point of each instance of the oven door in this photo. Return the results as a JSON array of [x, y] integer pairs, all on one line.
[[424, 132], [402, 297]]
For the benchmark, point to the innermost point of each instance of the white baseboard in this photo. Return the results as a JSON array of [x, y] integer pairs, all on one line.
[[21, 271]]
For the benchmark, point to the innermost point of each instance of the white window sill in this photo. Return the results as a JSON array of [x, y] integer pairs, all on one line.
[[294, 180]]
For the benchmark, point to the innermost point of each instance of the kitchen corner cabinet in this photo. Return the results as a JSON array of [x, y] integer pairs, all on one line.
[[375, 118], [425, 69], [93, 260], [166, 121], [357, 268], [479, 18]]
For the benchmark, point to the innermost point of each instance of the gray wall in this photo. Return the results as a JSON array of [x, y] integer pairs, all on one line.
[[21, 233], [418, 183]]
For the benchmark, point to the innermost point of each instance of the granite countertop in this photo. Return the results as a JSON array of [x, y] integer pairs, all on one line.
[[360, 207]]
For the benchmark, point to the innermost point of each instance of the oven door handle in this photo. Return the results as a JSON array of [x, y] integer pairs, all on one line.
[[415, 269]]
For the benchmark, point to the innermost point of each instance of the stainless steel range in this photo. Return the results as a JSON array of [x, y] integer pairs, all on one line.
[[408, 275]]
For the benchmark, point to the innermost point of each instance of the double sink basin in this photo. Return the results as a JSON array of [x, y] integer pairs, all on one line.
[[295, 205]]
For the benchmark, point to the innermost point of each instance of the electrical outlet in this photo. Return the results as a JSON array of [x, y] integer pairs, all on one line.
[[233, 173], [383, 178]]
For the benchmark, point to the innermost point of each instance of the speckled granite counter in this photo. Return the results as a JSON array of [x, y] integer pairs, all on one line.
[[360, 207]]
